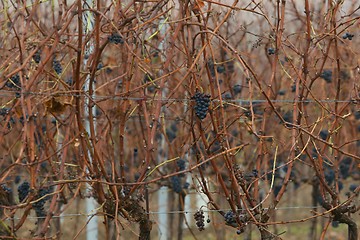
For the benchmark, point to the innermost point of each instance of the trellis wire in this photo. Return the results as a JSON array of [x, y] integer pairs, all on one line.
[[169, 212], [242, 101]]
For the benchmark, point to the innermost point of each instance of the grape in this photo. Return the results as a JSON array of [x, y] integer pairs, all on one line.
[[326, 75], [99, 66], [151, 88], [357, 115], [14, 82], [335, 224], [353, 187], [277, 189], [181, 164], [220, 69], [211, 67], [173, 127], [348, 36], [176, 184], [288, 117], [293, 88], [227, 96], [37, 56], [170, 134], [136, 176], [4, 111], [17, 179], [250, 176], [39, 204], [271, 51], [281, 92], [115, 38], [200, 220], [148, 78], [329, 176], [230, 217], [324, 134], [340, 185], [6, 188], [23, 190], [237, 89], [57, 66], [345, 167], [202, 104], [70, 81]]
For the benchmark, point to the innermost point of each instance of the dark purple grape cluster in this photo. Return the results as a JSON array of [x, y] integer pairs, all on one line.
[[40, 201], [57, 66], [4, 111], [288, 117], [176, 184], [326, 75], [6, 188], [17, 179], [149, 78], [250, 176], [23, 190], [230, 218], [37, 56], [171, 135], [345, 166], [348, 36], [329, 175], [70, 81], [200, 220], [181, 166], [202, 103], [115, 38], [14, 82]]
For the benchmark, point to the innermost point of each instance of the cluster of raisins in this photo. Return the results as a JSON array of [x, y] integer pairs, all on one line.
[[23, 190], [57, 66], [348, 36], [14, 82], [200, 220], [115, 38], [40, 202], [202, 103], [37, 56]]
